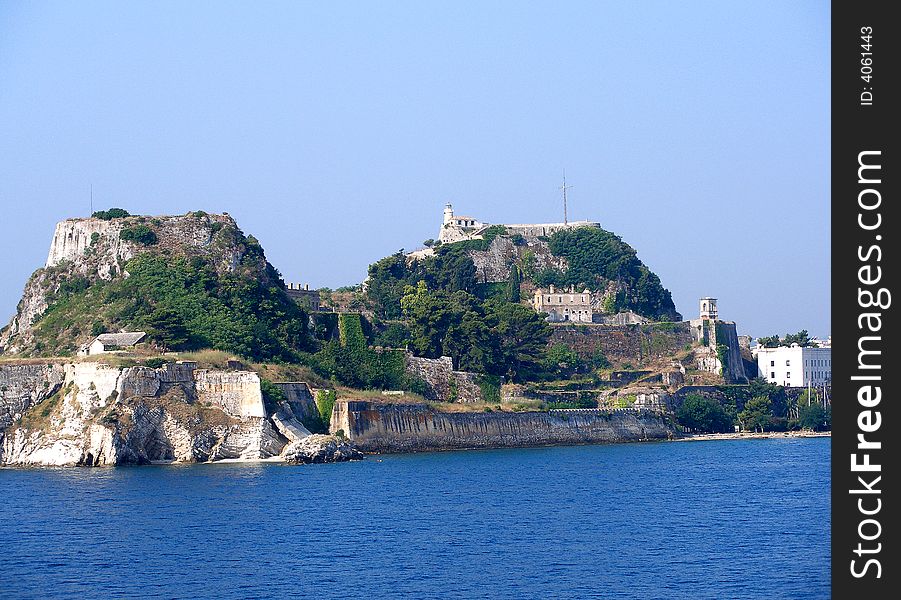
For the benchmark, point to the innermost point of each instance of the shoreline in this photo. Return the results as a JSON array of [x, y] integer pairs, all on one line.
[[748, 435]]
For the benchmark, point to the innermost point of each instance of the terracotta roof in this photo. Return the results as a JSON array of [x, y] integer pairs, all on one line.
[[121, 339]]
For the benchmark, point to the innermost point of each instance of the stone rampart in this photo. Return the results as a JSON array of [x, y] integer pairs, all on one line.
[[443, 383], [636, 344], [377, 427]]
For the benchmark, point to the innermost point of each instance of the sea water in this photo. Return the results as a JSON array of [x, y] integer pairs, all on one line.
[[713, 519]]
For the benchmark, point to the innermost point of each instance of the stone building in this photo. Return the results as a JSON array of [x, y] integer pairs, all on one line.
[[708, 308], [456, 228], [563, 305], [304, 296], [111, 342]]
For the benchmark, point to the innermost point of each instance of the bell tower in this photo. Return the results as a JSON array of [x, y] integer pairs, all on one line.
[[708, 309]]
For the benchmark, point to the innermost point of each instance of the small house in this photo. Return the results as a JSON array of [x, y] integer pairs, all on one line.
[[110, 342]]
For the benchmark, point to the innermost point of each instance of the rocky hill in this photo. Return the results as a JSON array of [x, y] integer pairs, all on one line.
[[512, 265], [190, 281]]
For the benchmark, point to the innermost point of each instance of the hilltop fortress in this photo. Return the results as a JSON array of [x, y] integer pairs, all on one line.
[[457, 228]]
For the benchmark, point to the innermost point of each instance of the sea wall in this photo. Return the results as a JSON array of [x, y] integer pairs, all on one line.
[[383, 427]]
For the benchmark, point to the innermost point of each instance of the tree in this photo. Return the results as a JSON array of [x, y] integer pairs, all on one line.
[[522, 335], [113, 213], [140, 234], [801, 338], [814, 417], [771, 341], [703, 414], [513, 294], [756, 414], [491, 337], [166, 327], [561, 360]]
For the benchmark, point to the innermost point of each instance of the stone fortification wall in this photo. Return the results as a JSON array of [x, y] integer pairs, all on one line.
[[547, 229], [377, 427], [634, 344], [443, 383], [237, 393], [734, 369]]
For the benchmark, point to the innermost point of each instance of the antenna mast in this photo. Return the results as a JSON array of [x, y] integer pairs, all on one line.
[[565, 187]]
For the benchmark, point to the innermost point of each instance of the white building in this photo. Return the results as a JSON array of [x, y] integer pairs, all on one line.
[[109, 342], [456, 228], [563, 305], [795, 366]]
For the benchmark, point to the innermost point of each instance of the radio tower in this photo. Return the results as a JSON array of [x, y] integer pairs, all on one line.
[[565, 187]]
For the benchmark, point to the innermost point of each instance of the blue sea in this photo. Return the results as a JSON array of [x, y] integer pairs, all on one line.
[[718, 519]]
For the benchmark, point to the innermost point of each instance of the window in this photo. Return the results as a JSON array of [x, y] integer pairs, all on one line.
[[772, 374], [788, 363], [788, 375], [772, 363]]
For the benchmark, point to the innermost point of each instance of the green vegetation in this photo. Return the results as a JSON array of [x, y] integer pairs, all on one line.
[[596, 256], [155, 362], [113, 213], [513, 293], [350, 332], [702, 414], [756, 414], [737, 397], [815, 417], [140, 234], [802, 338], [325, 404], [490, 337], [183, 303], [490, 387], [349, 361]]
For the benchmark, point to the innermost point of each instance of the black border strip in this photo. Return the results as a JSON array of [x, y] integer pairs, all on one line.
[[864, 261]]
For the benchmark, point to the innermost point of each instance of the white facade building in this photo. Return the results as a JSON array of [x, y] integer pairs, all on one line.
[[795, 366]]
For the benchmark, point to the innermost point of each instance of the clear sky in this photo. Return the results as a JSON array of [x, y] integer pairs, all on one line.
[[336, 131]]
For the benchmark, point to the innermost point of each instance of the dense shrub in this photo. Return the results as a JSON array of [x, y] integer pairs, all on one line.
[[703, 414], [113, 213], [141, 234]]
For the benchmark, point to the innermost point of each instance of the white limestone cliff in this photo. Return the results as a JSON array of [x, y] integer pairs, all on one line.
[[89, 413]]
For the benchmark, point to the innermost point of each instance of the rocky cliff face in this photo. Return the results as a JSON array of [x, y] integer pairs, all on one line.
[[377, 427], [494, 263], [88, 413]]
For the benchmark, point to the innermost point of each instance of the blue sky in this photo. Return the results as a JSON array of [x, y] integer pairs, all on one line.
[[335, 132]]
